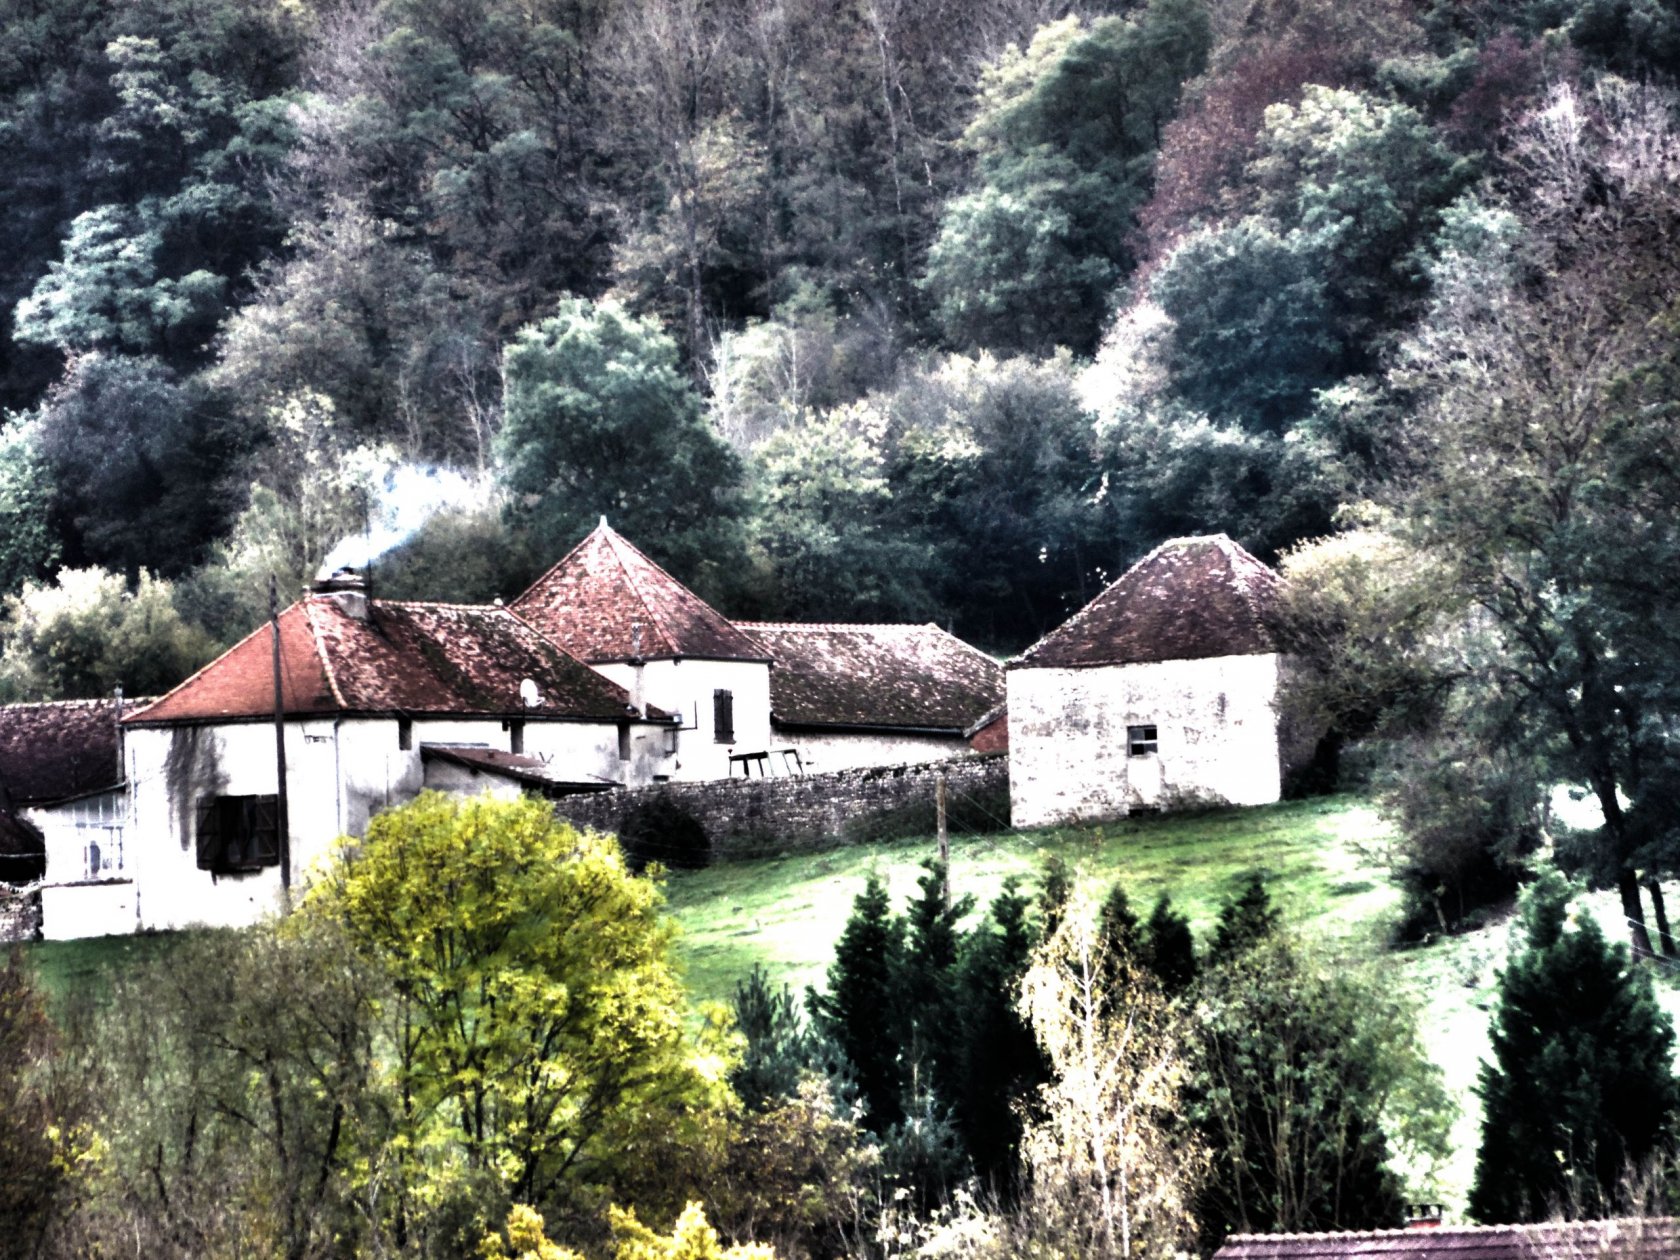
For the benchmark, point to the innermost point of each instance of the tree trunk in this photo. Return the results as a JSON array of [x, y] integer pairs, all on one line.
[[1660, 911], [1627, 884]]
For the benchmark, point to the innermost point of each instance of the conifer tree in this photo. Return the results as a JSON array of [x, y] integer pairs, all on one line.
[[1001, 1061], [1169, 950], [860, 1012], [1581, 1088], [1246, 920]]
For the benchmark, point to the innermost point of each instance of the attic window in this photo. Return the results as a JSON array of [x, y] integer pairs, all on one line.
[[723, 716], [238, 833], [1140, 741]]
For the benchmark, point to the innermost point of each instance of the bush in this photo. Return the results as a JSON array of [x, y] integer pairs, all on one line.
[[659, 828]]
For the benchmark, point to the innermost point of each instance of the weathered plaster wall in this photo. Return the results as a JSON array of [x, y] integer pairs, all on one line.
[[751, 816], [1216, 723], [824, 751], [685, 686]]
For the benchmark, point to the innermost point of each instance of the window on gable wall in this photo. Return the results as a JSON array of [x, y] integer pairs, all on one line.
[[1140, 741], [238, 833], [723, 716], [405, 733]]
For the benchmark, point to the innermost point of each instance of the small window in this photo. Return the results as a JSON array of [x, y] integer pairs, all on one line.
[[516, 736], [405, 733], [1140, 741], [624, 741], [238, 833], [723, 716]]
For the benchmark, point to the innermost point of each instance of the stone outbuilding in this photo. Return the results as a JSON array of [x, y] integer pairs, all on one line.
[[63, 810], [850, 695], [1163, 691]]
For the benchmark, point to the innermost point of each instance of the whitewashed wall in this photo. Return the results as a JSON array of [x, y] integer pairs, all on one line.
[[70, 912], [1217, 734], [338, 775], [685, 686], [852, 750]]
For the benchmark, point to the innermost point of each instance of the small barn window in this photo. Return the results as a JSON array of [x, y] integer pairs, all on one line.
[[238, 833], [1140, 741], [624, 741], [405, 733], [723, 716], [516, 736]]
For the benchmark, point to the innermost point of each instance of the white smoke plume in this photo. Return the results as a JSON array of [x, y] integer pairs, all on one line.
[[406, 498]]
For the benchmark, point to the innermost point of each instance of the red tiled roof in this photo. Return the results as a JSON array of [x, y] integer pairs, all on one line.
[[49, 752], [591, 602], [876, 675], [991, 733], [1655, 1238], [1189, 599], [410, 658]]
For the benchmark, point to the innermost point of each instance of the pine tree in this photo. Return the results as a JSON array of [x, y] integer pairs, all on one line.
[[1247, 920], [1582, 1085], [860, 1012], [1169, 950], [779, 1047], [926, 983], [1001, 1062]]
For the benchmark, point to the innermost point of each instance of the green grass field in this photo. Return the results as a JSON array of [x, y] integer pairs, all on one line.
[[1322, 858]]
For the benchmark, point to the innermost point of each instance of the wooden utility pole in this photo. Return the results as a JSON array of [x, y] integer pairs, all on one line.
[[283, 838], [944, 834]]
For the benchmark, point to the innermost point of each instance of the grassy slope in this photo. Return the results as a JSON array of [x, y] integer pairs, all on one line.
[[1326, 862]]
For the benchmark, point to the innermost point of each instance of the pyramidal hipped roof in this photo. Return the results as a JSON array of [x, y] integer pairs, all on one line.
[[594, 600], [1189, 599]]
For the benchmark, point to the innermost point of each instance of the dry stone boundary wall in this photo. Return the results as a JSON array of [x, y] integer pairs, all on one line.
[[758, 817], [20, 915]]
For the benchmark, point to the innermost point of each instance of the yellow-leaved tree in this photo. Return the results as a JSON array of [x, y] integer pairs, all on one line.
[[539, 1038], [693, 1238]]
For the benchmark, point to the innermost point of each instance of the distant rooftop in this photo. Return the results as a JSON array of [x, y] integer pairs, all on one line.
[[1653, 1238], [1189, 599], [897, 676], [606, 601], [60, 749]]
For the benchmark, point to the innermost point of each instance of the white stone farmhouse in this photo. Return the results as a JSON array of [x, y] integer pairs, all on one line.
[[380, 699], [1164, 690]]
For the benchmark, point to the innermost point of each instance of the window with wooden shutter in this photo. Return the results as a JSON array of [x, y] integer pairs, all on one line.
[[238, 833], [723, 716]]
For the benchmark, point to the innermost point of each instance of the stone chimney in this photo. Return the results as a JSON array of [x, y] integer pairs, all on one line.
[[347, 589], [1424, 1215]]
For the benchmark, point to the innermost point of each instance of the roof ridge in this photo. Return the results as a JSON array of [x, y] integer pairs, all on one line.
[[553, 568], [321, 652], [617, 542]]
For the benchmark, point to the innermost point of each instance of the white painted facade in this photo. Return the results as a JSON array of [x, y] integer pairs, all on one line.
[[688, 686], [88, 889], [1216, 724], [821, 751], [338, 774]]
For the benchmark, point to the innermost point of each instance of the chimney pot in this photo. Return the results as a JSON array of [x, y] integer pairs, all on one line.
[[346, 588], [1424, 1215]]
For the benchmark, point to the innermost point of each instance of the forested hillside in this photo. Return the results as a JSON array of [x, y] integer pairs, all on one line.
[[862, 309]]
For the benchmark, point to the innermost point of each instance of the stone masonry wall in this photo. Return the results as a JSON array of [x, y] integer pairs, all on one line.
[[752, 817], [20, 915]]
